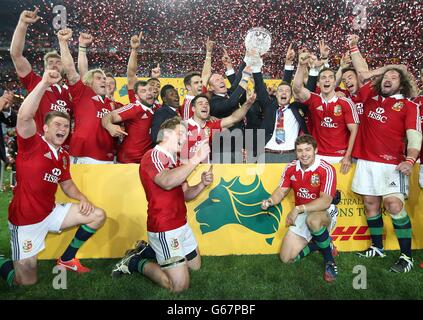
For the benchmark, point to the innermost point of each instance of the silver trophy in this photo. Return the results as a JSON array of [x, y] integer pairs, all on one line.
[[258, 39]]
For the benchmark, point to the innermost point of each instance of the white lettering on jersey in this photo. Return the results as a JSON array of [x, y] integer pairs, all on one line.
[[378, 115], [59, 106], [328, 123], [360, 109], [305, 194], [102, 113], [53, 176]]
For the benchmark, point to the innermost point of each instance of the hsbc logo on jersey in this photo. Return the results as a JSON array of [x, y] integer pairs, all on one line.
[[360, 109], [59, 106], [328, 123], [53, 177], [102, 113], [305, 194], [378, 115]]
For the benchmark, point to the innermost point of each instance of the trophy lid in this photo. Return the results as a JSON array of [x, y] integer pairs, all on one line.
[[258, 38]]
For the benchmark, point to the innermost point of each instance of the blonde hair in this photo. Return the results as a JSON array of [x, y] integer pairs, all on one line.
[[169, 124], [89, 76], [50, 54]]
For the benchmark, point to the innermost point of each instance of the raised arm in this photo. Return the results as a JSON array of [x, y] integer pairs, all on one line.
[[25, 125], [300, 92], [367, 75], [261, 90], [131, 72], [289, 64], [359, 63], [22, 65], [345, 62], [64, 36], [222, 106], [227, 63], [85, 41], [239, 114], [207, 67], [156, 72], [324, 51]]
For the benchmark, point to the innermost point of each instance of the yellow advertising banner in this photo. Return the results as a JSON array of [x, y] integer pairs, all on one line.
[[226, 218], [121, 93]]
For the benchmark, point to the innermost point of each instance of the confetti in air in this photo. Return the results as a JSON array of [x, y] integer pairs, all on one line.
[[175, 31]]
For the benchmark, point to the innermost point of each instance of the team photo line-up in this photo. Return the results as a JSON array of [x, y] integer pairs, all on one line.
[[315, 117]]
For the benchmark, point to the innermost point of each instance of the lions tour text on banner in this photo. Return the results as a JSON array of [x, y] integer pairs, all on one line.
[[226, 218]]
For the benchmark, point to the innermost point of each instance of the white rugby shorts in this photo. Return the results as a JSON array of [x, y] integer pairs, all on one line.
[[378, 179], [172, 246], [302, 229], [27, 241]]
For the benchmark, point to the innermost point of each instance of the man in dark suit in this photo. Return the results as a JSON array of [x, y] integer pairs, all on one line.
[[225, 101], [282, 121], [169, 110], [8, 117]]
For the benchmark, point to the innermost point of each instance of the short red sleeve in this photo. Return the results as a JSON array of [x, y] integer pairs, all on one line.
[[130, 111], [328, 179], [30, 81], [131, 96], [77, 91], [285, 179]]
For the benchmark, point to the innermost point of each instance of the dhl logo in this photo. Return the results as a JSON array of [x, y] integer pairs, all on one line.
[[356, 232]]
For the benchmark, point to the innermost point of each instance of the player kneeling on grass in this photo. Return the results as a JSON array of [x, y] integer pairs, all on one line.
[[164, 180], [314, 183], [42, 164]]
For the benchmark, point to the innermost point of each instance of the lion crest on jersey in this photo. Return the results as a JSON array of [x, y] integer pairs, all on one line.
[[65, 163], [174, 244], [27, 246], [398, 106], [207, 132], [315, 180], [337, 110], [232, 202]]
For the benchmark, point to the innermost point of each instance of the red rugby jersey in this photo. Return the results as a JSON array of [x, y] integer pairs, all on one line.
[[329, 123], [196, 134], [55, 98], [131, 96], [166, 208], [90, 139], [137, 119], [307, 185], [37, 174], [186, 108], [384, 125]]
